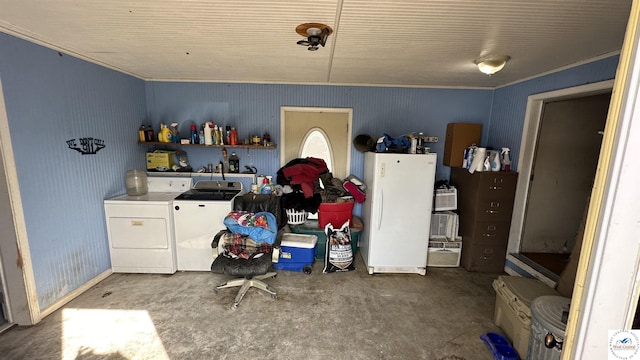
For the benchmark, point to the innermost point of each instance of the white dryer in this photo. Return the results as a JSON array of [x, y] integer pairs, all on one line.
[[140, 228]]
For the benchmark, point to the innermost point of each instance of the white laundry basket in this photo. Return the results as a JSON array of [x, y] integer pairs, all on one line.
[[296, 217]]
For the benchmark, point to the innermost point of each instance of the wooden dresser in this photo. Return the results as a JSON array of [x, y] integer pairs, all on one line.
[[485, 204]]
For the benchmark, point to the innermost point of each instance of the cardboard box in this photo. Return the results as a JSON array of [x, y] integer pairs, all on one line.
[[459, 137], [160, 158]]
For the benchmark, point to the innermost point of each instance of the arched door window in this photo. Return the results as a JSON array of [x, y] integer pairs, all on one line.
[[316, 144]]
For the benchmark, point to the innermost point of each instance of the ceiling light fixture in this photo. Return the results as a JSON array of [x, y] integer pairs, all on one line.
[[316, 35], [491, 64]]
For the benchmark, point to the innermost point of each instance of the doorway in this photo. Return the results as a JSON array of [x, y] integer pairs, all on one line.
[[557, 163], [298, 124]]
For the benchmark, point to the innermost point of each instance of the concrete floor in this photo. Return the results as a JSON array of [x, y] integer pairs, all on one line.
[[318, 316]]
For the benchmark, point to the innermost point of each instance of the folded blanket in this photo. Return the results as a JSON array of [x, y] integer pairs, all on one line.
[[261, 226], [240, 246]]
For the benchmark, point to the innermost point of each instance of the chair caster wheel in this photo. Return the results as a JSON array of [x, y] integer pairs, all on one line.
[[274, 296], [307, 269], [233, 307], [216, 291]]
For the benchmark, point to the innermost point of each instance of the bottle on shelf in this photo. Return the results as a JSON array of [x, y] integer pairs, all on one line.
[[227, 138], [194, 134], [175, 136], [225, 160], [149, 134], [142, 133], [234, 163], [234, 136], [208, 140], [219, 136], [165, 134], [267, 186], [506, 159]]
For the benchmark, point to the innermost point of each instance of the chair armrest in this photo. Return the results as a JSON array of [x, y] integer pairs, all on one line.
[[216, 241], [275, 252]]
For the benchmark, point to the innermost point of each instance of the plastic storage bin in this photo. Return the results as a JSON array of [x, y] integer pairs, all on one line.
[[546, 315], [334, 213], [311, 227], [499, 346], [296, 217], [297, 252], [512, 312]]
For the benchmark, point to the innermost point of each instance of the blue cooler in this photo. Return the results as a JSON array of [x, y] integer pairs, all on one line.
[[297, 252]]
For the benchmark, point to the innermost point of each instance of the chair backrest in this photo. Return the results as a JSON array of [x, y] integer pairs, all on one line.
[[262, 202]]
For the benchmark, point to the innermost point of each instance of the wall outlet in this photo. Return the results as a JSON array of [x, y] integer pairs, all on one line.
[[431, 139]]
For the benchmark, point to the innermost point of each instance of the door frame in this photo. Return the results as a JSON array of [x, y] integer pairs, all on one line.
[[530, 132], [346, 111], [18, 280]]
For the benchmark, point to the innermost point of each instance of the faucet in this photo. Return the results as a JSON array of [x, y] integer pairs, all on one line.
[[222, 170]]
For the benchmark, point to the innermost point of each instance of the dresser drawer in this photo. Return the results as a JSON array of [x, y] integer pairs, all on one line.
[[493, 210], [497, 185], [486, 232], [483, 258]]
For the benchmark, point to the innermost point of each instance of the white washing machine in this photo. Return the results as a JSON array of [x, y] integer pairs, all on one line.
[[198, 215], [140, 228]]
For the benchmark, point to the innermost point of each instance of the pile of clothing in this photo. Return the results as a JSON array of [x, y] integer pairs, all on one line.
[[304, 176]]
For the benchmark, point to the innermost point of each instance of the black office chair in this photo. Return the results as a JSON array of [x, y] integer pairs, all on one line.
[[251, 271]]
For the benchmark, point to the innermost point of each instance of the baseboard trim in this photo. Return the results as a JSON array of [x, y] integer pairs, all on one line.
[[75, 293]]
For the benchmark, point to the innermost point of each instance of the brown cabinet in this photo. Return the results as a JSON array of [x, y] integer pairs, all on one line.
[[459, 136], [485, 204]]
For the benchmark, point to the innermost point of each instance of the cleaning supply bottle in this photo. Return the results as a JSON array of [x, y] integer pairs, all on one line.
[[506, 159], [234, 136], [496, 165], [165, 134], [266, 187], [175, 136], [208, 140], [149, 133], [142, 133], [194, 134], [215, 140], [234, 163]]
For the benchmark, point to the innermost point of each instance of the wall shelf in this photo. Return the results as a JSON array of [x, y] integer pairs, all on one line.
[[273, 146], [197, 174]]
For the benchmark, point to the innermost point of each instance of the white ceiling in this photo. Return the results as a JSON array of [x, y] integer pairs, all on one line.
[[396, 43]]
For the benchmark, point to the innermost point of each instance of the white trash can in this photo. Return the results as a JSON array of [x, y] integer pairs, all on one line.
[[546, 336]]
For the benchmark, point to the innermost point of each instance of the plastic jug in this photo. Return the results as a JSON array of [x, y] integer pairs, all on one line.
[[136, 182], [165, 134]]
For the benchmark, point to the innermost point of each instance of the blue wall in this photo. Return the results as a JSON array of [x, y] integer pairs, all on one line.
[[255, 109], [510, 102], [51, 98]]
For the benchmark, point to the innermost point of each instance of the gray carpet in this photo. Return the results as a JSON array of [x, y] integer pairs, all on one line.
[[350, 315]]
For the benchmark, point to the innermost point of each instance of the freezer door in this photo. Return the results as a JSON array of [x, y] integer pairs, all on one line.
[[401, 200]]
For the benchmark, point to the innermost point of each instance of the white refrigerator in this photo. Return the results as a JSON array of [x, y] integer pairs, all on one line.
[[397, 212]]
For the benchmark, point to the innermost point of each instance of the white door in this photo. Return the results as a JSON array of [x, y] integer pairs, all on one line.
[[333, 124]]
